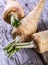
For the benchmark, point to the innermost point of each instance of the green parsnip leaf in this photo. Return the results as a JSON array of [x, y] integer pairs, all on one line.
[[14, 21]]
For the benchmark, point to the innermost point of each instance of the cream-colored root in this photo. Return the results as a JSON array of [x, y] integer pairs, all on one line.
[[30, 22], [41, 40]]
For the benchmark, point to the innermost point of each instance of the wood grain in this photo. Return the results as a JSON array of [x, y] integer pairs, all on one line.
[[24, 56]]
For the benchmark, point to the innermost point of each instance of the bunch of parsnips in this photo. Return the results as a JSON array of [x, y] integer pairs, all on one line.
[[25, 27]]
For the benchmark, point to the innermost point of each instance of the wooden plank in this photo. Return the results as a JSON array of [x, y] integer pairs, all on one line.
[[24, 56]]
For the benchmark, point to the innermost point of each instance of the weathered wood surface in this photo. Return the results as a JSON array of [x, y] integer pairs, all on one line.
[[24, 56]]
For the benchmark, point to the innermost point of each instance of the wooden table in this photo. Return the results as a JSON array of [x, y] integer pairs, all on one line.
[[24, 56]]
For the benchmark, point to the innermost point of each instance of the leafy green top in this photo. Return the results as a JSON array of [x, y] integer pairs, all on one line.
[[14, 21]]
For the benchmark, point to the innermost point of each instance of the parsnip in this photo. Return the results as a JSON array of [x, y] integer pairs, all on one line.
[[30, 22], [41, 41], [12, 8]]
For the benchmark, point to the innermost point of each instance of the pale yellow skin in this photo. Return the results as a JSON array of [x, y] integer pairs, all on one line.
[[30, 22], [41, 40]]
